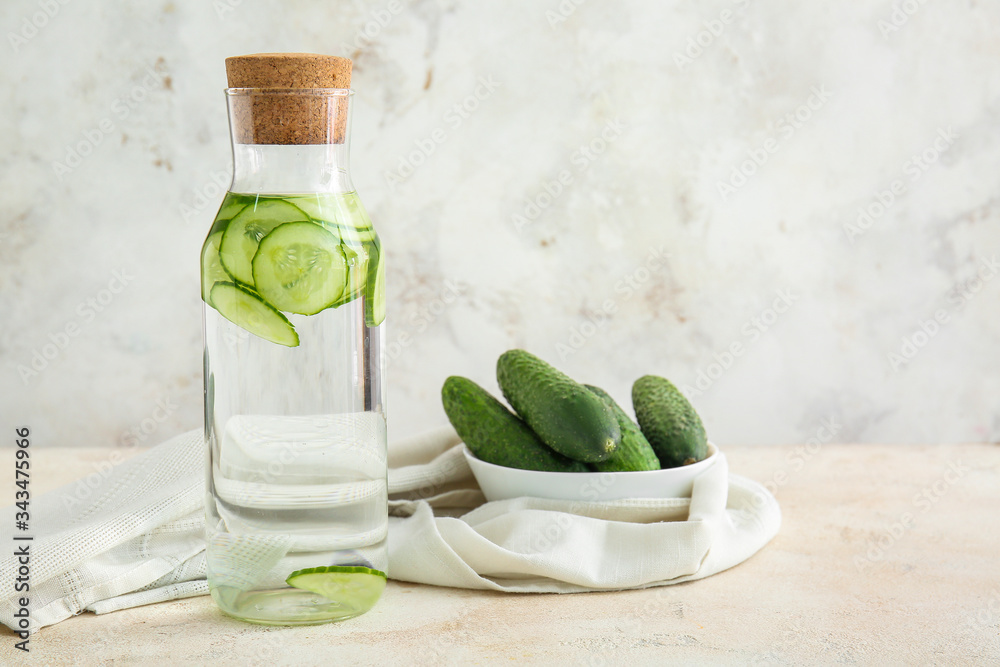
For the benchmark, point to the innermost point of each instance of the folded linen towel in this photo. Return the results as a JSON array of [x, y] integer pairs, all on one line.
[[138, 537]]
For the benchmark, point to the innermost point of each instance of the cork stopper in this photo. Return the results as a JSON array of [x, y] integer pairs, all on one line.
[[282, 105]]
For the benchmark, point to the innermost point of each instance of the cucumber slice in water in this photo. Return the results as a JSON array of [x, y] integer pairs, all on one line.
[[211, 266], [375, 288], [356, 588], [343, 211], [353, 236], [358, 258], [245, 309], [232, 205], [300, 268], [245, 231]]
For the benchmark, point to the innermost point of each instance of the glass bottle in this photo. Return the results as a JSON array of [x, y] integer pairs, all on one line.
[[293, 291]]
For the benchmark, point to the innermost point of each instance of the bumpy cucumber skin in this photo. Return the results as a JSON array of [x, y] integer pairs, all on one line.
[[496, 435], [634, 453], [669, 422], [565, 414]]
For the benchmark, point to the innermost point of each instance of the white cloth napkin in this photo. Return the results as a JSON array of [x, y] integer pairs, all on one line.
[[138, 537]]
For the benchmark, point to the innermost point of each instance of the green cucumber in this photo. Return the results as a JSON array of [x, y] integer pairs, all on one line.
[[299, 267], [355, 589], [231, 205], [565, 414], [212, 271], [246, 310], [375, 286], [345, 216], [358, 235], [634, 452], [245, 231], [339, 210], [496, 435], [358, 257], [669, 422]]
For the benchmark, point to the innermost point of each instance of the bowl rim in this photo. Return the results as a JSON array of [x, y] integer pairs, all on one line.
[[713, 451]]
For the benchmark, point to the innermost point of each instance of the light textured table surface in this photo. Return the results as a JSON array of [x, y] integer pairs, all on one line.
[[886, 555]]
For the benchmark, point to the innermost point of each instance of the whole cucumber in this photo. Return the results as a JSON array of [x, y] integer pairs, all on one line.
[[494, 434], [567, 416], [634, 452], [669, 422]]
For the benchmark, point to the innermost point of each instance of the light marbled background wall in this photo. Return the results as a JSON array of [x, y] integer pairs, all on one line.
[[142, 84]]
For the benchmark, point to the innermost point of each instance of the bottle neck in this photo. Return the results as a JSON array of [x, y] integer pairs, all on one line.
[[290, 140], [291, 169]]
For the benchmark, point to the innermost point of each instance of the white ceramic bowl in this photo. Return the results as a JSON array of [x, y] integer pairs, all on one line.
[[501, 483]]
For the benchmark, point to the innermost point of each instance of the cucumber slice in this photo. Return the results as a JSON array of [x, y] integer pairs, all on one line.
[[334, 210], [356, 236], [232, 205], [375, 287], [243, 235], [358, 258], [300, 267], [211, 266], [229, 209], [356, 588], [316, 206], [245, 309]]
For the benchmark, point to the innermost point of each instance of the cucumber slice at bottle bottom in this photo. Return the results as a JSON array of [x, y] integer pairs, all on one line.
[[245, 309], [211, 267], [300, 268], [375, 288], [245, 231], [356, 588]]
